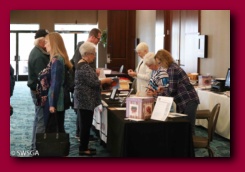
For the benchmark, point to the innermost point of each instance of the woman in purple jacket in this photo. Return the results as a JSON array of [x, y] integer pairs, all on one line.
[[180, 88]]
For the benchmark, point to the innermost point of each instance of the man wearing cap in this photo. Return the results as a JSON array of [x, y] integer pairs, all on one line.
[[38, 60]]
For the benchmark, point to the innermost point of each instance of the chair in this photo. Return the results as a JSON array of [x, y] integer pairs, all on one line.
[[121, 68], [202, 141], [203, 114]]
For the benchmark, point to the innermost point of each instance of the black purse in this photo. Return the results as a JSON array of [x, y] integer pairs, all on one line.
[[53, 144]]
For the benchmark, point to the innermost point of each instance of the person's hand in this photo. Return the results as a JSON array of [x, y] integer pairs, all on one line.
[[150, 91], [160, 89], [98, 72], [130, 70], [106, 81], [52, 109], [132, 73]]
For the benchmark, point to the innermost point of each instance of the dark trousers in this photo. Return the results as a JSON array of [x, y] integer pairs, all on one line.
[[190, 110], [77, 125], [54, 120], [85, 123]]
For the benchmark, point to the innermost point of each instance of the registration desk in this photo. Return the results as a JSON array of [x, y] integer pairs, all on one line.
[[151, 138], [208, 100]]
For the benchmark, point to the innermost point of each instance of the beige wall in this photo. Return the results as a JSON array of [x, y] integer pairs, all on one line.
[[216, 25], [145, 28]]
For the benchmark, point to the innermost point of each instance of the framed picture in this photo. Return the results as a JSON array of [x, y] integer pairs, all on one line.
[[202, 46]]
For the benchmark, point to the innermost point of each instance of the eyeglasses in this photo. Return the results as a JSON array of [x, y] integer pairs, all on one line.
[[158, 62], [97, 38], [94, 54]]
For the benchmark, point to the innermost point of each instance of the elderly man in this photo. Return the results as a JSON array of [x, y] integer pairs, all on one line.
[[38, 60]]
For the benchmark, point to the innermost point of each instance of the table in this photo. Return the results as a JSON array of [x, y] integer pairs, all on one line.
[[116, 73], [100, 122], [112, 73], [208, 100], [100, 116], [151, 138]]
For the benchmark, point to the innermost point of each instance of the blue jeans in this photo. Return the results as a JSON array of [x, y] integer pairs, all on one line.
[[38, 124], [190, 110]]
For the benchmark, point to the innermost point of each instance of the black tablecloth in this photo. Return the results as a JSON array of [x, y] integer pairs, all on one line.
[[170, 138]]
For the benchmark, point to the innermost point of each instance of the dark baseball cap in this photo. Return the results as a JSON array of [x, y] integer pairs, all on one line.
[[41, 33]]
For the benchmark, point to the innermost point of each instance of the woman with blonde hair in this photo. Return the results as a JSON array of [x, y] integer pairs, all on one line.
[[180, 88], [55, 46]]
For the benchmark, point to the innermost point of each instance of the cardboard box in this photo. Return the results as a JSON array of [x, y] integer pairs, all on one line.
[[124, 84], [204, 80], [139, 107]]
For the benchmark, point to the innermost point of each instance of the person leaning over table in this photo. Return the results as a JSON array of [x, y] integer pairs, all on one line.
[[180, 88], [159, 76], [87, 94], [142, 73], [55, 104]]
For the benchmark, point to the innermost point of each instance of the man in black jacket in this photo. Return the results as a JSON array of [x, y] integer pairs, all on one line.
[[38, 60]]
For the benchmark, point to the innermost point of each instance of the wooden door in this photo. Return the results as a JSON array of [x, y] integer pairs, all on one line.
[[162, 30], [184, 32], [189, 40], [121, 39]]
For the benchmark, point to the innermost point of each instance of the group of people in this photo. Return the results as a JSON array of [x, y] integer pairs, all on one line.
[[159, 75], [47, 62]]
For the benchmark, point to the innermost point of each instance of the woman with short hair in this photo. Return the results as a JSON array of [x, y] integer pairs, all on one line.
[[87, 94], [142, 73]]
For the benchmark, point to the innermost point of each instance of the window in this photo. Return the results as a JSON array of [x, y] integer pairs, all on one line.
[[72, 34], [21, 44]]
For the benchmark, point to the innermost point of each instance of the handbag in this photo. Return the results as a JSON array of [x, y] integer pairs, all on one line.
[[53, 144]]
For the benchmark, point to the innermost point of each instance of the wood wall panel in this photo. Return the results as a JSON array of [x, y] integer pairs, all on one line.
[[121, 39], [175, 34], [184, 32]]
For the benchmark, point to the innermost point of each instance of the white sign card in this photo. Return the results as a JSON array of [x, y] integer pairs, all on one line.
[[162, 108], [174, 115]]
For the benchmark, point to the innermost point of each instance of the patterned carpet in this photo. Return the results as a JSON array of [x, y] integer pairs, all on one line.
[[21, 123]]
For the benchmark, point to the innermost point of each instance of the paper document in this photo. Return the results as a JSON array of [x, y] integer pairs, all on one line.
[[133, 119], [102, 74], [162, 108], [123, 108], [174, 115]]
